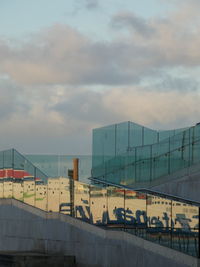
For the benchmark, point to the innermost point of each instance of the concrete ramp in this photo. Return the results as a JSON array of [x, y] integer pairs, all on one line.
[[184, 183], [26, 228]]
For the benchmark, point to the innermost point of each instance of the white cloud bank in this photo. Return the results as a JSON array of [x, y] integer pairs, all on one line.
[[50, 86]]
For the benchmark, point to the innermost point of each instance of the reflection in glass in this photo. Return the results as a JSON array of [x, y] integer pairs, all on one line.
[[185, 225], [40, 195], [116, 208], [135, 208], [159, 219], [8, 188], [98, 205], [53, 193], [29, 192], [81, 201], [18, 189], [65, 196]]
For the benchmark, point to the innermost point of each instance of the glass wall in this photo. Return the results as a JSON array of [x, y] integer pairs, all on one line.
[[58, 165], [14, 166], [148, 155]]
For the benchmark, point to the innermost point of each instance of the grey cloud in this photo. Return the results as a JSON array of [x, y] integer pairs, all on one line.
[[60, 118], [10, 101], [138, 24], [91, 4], [88, 106], [86, 4], [179, 84], [64, 56]]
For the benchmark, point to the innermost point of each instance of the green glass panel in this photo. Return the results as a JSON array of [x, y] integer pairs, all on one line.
[[150, 136], [160, 159], [122, 138], [136, 135], [1, 160], [8, 159]]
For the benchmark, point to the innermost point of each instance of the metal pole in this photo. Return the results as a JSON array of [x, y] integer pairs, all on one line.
[[169, 158], [199, 236], [171, 227]]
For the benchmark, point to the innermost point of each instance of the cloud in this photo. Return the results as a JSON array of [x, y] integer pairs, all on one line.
[[89, 5], [138, 24], [92, 4], [63, 55], [60, 118], [58, 85]]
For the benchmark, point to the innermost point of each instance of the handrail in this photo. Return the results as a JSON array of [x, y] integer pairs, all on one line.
[[146, 190]]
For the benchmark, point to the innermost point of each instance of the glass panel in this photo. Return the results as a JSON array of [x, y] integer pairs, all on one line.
[[136, 135], [162, 135], [98, 205], [1, 163], [122, 137], [40, 176], [150, 136], [116, 212], [8, 188], [135, 208], [18, 172], [195, 149], [185, 220], [109, 136], [143, 164], [65, 206], [177, 152], [81, 201], [53, 193], [8, 159], [130, 169], [29, 171], [160, 159], [159, 220], [18, 189], [1, 188], [40, 195], [29, 192]]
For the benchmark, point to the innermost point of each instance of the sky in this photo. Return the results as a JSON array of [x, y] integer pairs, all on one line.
[[67, 67]]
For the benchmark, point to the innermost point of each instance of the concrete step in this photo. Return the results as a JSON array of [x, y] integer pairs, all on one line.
[[14, 259]]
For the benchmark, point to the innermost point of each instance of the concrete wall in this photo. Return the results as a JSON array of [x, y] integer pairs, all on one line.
[[185, 184], [25, 228]]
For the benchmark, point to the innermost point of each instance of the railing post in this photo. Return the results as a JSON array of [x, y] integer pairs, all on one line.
[[193, 144], [169, 167], [124, 208], [71, 186], [171, 230], [199, 236], [189, 148], [151, 174], [13, 167]]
